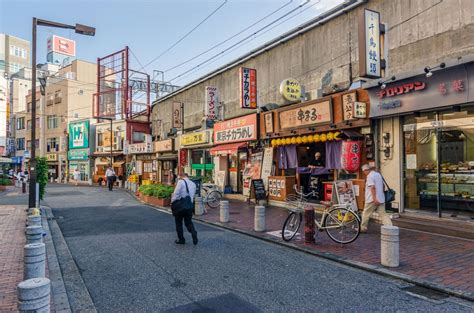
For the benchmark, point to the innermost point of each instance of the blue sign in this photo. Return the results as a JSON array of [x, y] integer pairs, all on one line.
[[16, 159]]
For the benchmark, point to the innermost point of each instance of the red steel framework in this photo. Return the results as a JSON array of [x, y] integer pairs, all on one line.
[[117, 95]]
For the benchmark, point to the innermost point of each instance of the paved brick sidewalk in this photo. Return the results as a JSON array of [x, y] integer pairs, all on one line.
[[12, 241], [438, 259]]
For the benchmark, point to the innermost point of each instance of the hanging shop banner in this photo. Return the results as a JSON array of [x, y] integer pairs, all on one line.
[[79, 135], [312, 114], [211, 102], [197, 138], [290, 90], [163, 145], [177, 115], [360, 110], [369, 44], [238, 129], [348, 103], [78, 154], [248, 88], [183, 157], [350, 157]]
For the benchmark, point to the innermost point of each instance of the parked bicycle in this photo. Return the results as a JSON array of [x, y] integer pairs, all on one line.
[[341, 224], [211, 195]]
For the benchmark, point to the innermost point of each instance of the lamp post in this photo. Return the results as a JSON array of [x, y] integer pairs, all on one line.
[[80, 29]]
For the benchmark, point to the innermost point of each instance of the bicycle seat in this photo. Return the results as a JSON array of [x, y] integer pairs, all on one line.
[[326, 203]]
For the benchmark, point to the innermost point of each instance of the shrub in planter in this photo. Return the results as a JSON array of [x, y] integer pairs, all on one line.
[[156, 194]]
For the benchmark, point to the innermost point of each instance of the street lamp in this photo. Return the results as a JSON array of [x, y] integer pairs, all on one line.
[[80, 29]]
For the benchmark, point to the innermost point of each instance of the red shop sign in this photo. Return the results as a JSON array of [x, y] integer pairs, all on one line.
[[183, 157], [350, 156], [400, 90]]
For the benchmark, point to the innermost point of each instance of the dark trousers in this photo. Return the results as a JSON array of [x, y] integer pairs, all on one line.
[[110, 182], [188, 221]]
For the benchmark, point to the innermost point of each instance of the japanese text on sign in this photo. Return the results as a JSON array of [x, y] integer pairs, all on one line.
[[176, 115], [372, 43], [248, 88], [313, 114], [237, 129], [348, 101], [194, 138], [212, 99], [457, 85], [290, 89]]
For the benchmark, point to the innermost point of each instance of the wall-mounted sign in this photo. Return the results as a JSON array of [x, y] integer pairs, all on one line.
[[360, 110], [238, 129], [78, 154], [268, 118], [369, 44], [183, 157], [401, 89], [197, 138], [290, 89], [176, 121], [163, 145], [79, 135], [248, 88], [61, 45], [212, 100], [143, 147], [51, 156], [348, 101], [311, 114]]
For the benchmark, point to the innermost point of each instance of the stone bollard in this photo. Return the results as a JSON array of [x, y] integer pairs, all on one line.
[[34, 220], [259, 220], [389, 252], [224, 211], [35, 260], [34, 211], [198, 206], [34, 295], [309, 227], [34, 234]]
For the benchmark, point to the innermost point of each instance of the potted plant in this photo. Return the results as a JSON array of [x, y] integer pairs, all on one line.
[[4, 182], [156, 194]]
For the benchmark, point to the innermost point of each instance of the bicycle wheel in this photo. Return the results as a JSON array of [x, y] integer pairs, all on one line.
[[291, 226], [342, 225], [214, 198]]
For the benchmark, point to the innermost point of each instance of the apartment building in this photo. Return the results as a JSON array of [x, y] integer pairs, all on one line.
[[14, 54]]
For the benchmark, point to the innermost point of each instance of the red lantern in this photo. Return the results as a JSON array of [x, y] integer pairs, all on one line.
[[350, 156]]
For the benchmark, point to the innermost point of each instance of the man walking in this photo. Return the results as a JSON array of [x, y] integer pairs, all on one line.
[[184, 187], [374, 198], [110, 176]]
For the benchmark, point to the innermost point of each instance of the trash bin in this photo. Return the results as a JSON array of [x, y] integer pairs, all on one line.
[[197, 181]]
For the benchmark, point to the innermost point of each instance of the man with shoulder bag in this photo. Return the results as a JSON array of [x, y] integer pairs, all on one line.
[[375, 198], [182, 205]]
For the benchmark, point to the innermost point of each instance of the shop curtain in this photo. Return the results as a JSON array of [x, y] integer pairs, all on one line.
[[333, 155], [287, 157]]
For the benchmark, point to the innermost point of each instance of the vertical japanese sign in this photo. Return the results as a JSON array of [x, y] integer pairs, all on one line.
[[211, 101], [176, 115], [248, 88], [79, 135], [369, 44], [348, 101]]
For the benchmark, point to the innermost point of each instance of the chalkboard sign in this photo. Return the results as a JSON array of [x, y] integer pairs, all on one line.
[[259, 189]]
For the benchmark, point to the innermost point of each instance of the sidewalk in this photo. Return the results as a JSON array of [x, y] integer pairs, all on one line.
[[437, 260]]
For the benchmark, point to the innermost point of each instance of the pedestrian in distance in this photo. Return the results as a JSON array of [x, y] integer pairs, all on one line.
[[374, 198], [110, 177], [182, 205], [77, 176]]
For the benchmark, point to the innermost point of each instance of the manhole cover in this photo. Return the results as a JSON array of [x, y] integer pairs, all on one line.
[[425, 292]]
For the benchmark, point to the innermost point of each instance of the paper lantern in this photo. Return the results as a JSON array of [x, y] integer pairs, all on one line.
[[336, 136], [299, 140], [287, 141], [322, 137], [330, 136], [350, 155], [293, 140], [304, 139], [273, 142], [310, 138], [316, 138], [278, 142]]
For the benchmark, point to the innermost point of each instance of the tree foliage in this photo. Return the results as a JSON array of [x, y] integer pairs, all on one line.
[[42, 175]]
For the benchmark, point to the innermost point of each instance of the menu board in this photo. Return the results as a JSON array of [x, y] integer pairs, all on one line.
[[345, 193], [279, 187], [267, 165], [259, 189]]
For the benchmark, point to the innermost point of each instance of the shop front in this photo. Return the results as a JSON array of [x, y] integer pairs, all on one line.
[[141, 155], [194, 154], [318, 143], [435, 119], [53, 165], [166, 161], [231, 151], [79, 159]]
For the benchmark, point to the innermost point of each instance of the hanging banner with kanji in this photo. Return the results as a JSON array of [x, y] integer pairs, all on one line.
[[177, 118], [369, 44], [212, 99], [350, 156], [248, 88], [348, 102], [238, 129]]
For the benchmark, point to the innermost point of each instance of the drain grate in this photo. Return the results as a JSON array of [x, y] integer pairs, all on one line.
[[425, 292]]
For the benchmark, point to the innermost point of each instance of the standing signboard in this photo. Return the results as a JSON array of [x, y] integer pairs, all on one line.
[[248, 88], [267, 165]]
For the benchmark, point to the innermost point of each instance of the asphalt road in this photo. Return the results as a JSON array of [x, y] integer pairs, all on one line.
[[126, 254]]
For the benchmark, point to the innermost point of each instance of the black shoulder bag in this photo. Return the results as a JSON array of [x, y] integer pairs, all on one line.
[[182, 205], [388, 192]]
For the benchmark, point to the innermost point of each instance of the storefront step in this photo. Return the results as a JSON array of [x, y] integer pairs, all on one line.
[[461, 229]]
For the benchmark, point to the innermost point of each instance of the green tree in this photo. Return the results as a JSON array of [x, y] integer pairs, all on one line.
[[41, 175]]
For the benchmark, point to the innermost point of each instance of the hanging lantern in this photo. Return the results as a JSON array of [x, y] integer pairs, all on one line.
[[336, 136], [288, 141], [350, 156], [330, 136], [298, 140], [273, 142], [304, 139], [278, 142], [293, 140], [316, 138], [310, 138], [322, 137]]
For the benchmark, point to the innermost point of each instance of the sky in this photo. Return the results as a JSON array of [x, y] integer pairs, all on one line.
[[151, 28]]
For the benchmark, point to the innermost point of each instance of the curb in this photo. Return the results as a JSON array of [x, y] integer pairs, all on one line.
[[75, 290], [335, 258]]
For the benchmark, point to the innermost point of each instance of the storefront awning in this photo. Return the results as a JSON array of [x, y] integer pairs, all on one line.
[[231, 148], [352, 134]]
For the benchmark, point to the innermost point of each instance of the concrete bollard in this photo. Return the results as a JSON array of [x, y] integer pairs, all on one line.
[[198, 206], [35, 260], [390, 243], [34, 295], [259, 220], [34, 220], [34, 234], [224, 211], [309, 227], [34, 211]]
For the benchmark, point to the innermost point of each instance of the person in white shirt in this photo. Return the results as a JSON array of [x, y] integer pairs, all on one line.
[[374, 198], [110, 176], [180, 192], [77, 176]]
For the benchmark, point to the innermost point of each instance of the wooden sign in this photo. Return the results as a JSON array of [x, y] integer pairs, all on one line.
[[348, 103], [268, 117], [307, 115], [259, 189]]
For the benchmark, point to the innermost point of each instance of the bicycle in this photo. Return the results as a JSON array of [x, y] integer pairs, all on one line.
[[338, 220], [212, 195]]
